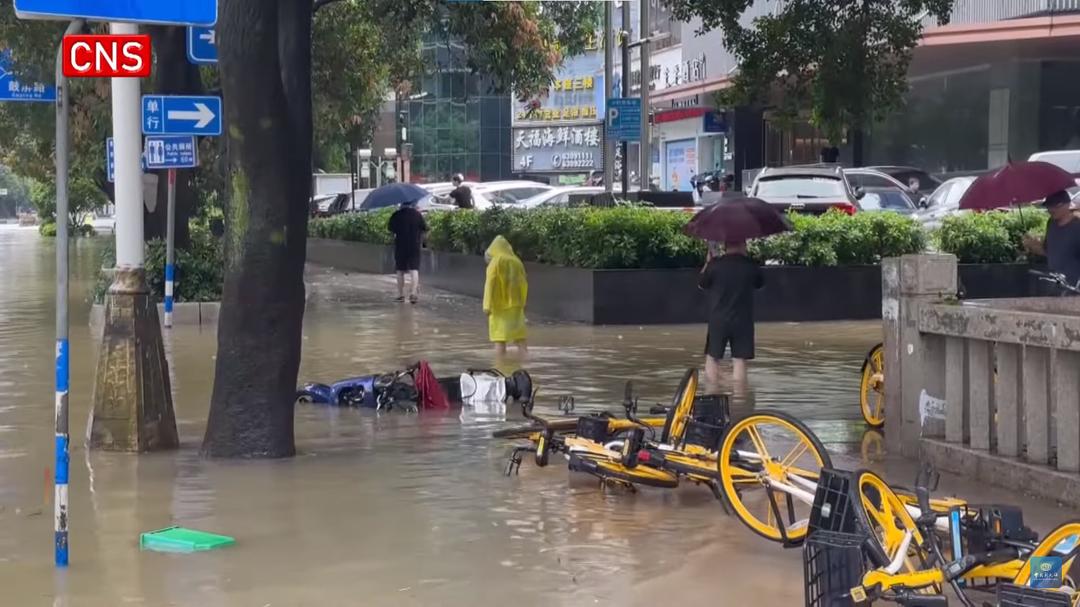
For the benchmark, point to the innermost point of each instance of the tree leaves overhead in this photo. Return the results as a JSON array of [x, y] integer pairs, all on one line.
[[844, 61]]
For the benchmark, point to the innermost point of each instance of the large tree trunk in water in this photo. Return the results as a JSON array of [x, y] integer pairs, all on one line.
[[265, 61], [175, 75]]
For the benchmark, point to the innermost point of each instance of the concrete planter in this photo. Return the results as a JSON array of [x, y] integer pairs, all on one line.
[[184, 313], [666, 296]]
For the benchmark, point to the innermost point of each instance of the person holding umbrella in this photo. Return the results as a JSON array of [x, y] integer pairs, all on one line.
[[409, 227], [731, 279], [1061, 247]]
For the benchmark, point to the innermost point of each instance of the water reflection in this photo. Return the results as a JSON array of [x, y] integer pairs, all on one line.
[[381, 509]]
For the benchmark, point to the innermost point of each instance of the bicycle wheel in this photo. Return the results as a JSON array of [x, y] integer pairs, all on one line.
[[681, 406], [605, 469], [888, 520], [872, 387], [1063, 541], [765, 489]]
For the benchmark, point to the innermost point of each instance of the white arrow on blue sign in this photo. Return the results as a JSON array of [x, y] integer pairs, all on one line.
[[166, 12], [110, 160], [181, 115], [171, 152], [11, 89], [202, 45]]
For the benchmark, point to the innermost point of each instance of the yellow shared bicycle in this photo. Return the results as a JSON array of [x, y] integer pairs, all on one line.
[[872, 387]]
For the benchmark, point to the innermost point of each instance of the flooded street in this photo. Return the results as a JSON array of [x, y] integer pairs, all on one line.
[[392, 509]]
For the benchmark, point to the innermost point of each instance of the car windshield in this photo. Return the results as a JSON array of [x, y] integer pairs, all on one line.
[[926, 181], [886, 200], [799, 186]]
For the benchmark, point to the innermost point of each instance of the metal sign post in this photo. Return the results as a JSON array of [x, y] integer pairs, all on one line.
[[63, 435], [170, 249], [609, 49], [644, 150]]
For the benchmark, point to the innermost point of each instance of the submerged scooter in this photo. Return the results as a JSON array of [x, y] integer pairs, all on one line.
[[398, 389]]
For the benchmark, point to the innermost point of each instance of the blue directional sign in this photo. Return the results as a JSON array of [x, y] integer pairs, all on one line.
[[171, 152], [181, 115], [201, 45], [110, 159], [624, 119], [12, 89], [168, 12]]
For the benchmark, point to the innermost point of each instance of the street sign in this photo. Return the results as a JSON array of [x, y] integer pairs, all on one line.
[[11, 89], [201, 45], [624, 119], [110, 160], [187, 12], [171, 152], [181, 115]]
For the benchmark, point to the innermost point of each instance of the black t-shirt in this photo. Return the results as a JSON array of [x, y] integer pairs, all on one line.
[[1063, 249], [408, 226], [730, 281], [462, 196]]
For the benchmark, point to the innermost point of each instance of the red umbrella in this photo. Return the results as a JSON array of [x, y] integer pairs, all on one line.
[[1015, 184], [737, 219]]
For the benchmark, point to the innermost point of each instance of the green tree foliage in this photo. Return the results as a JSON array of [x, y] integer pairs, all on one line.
[[845, 61]]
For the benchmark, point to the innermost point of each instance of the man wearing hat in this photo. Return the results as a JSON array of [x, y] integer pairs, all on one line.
[[1062, 243]]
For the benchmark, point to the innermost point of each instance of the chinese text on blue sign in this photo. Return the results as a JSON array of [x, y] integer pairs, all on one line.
[[186, 12], [624, 119], [181, 115], [11, 89], [171, 152]]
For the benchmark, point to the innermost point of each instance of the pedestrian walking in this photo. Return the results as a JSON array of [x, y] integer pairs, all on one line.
[[729, 281], [409, 228], [462, 194], [1062, 243], [506, 290]]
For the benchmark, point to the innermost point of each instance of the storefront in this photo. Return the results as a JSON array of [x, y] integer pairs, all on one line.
[[694, 139]]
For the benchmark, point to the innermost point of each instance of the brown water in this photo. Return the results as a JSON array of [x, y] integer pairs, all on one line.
[[391, 509]]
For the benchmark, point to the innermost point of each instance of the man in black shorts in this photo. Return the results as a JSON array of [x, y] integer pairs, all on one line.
[[730, 281], [409, 227]]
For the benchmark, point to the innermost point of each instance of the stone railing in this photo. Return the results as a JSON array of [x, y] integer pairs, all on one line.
[[989, 388]]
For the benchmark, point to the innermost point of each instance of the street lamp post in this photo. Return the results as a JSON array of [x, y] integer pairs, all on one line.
[[644, 151], [609, 144]]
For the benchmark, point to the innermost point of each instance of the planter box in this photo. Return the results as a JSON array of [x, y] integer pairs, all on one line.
[[667, 296]]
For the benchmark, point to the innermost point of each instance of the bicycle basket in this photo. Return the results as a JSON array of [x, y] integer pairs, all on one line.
[[704, 434], [1011, 595], [834, 505], [594, 428], [832, 566], [714, 409]]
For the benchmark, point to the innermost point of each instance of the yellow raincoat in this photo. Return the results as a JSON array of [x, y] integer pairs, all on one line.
[[505, 293]]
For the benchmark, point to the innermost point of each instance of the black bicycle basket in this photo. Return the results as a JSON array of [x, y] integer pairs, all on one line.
[[832, 565], [1011, 595], [714, 409], [834, 503], [594, 428], [704, 434]]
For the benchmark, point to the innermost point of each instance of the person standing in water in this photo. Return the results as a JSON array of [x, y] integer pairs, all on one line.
[[730, 281], [506, 290], [409, 227]]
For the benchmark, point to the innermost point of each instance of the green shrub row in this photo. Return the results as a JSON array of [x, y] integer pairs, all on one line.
[[629, 237], [995, 237]]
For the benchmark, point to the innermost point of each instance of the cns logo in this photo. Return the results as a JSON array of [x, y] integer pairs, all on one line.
[[106, 56]]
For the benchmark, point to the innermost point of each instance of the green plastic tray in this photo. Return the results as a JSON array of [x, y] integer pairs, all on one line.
[[178, 539]]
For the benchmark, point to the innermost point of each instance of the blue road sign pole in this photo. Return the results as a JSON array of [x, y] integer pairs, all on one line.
[[170, 251], [62, 434]]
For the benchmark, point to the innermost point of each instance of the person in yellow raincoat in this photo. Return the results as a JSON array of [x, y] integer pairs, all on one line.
[[505, 293]]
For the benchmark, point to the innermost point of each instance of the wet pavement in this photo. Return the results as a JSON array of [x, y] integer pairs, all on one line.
[[396, 509]]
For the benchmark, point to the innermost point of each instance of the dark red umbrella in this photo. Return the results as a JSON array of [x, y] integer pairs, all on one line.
[[1015, 184], [737, 219]]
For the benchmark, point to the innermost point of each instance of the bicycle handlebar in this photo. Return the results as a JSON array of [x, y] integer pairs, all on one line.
[[1056, 278]]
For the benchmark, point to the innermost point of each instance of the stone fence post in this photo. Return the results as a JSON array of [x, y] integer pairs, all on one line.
[[914, 364]]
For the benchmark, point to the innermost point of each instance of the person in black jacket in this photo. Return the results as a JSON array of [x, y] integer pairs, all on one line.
[[729, 281], [462, 194], [409, 227]]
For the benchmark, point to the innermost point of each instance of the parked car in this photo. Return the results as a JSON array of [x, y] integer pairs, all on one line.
[[489, 193], [944, 201], [890, 198], [927, 182], [1066, 159], [559, 197], [809, 189]]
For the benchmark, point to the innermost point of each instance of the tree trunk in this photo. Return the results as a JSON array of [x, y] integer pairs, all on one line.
[[265, 61], [175, 75]]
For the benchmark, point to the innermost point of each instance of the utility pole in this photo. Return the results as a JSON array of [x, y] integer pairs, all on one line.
[[609, 49], [644, 152], [626, 92]]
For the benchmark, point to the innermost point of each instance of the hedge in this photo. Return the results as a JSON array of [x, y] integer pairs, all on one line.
[[993, 237], [629, 237]]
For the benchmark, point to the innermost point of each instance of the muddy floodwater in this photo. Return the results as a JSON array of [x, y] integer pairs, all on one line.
[[393, 509]]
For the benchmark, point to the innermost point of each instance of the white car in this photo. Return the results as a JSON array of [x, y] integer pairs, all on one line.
[[558, 197], [1069, 160], [944, 201], [488, 194]]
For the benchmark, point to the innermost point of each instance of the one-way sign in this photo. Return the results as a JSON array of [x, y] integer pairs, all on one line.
[[181, 115], [201, 45]]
